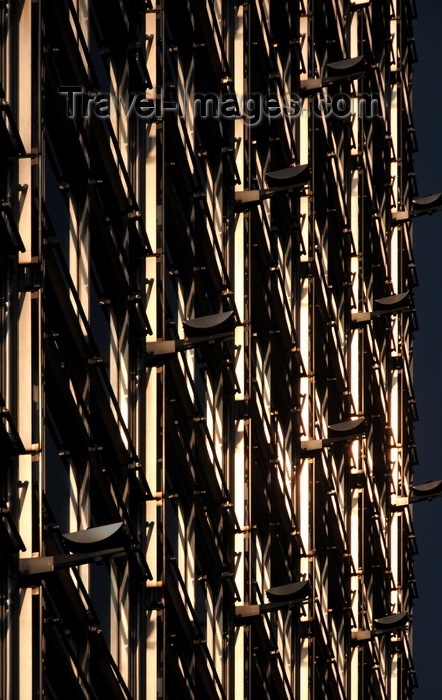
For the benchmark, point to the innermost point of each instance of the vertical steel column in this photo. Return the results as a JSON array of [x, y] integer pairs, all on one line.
[[241, 85], [151, 164], [29, 337], [356, 361], [306, 329]]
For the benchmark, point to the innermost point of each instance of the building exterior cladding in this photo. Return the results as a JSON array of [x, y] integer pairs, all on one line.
[[190, 318]]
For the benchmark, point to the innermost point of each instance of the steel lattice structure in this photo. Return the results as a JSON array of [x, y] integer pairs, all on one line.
[[206, 349]]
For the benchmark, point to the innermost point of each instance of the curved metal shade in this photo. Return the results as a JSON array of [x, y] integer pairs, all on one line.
[[291, 591], [432, 200], [391, 622], [395, 301], [346, 66], [95, 538], [208, 325], [428, 488], [294, 176], [347, 428]]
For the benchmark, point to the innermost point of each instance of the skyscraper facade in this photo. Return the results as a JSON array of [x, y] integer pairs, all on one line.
[[206, 349]]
